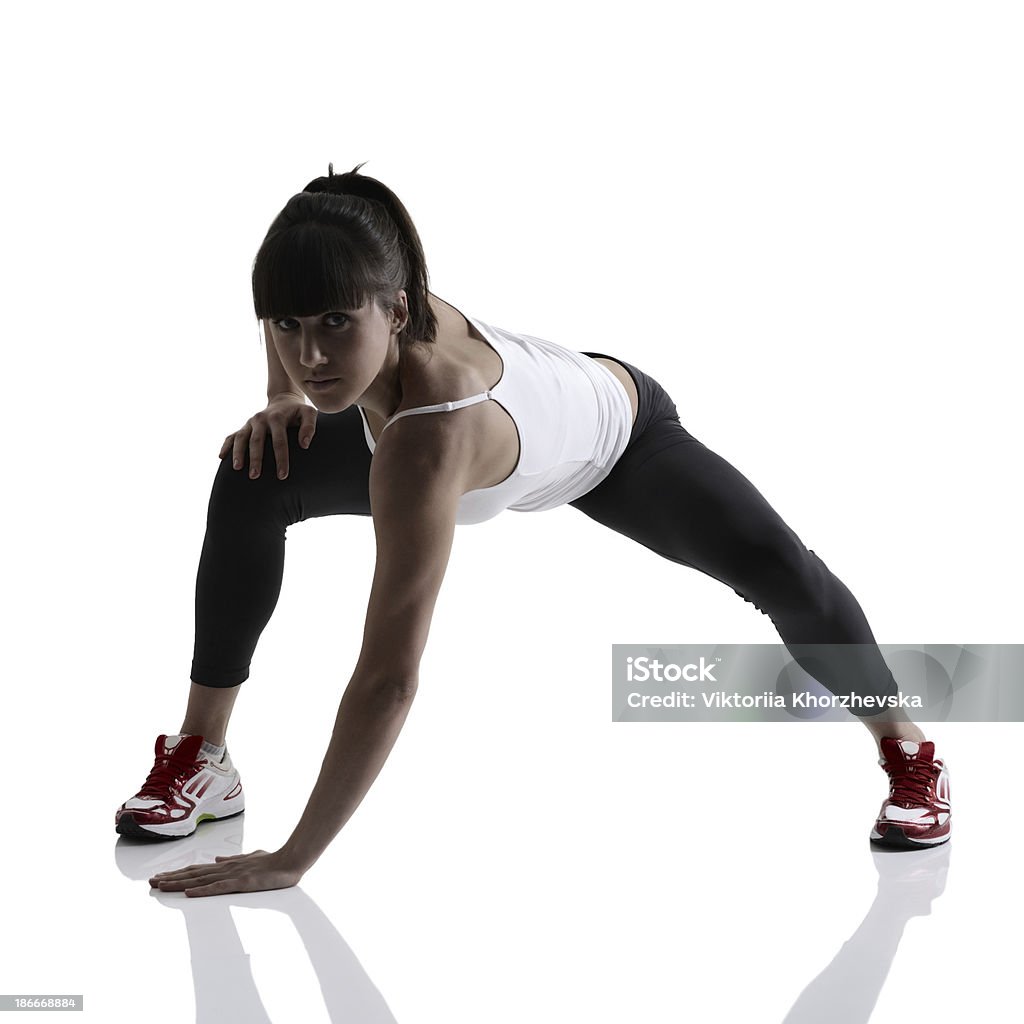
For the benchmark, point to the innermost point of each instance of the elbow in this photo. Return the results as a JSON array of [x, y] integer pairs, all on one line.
[[384, 690]]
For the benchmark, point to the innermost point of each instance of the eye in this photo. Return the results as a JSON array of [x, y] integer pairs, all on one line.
[[288, 323]]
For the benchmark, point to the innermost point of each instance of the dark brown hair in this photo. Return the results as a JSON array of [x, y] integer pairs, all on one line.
[[342, 240]]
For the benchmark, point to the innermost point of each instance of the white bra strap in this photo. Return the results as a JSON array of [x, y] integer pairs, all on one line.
[[441, 407]]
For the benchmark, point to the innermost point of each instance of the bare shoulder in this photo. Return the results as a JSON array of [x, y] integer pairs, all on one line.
[[473, 447], [419, 461], [459, 363]]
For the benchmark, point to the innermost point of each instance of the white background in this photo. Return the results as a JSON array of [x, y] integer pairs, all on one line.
[[804, 219]]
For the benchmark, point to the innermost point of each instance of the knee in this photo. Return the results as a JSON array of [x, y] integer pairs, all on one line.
[[778, 572], [235, 497]]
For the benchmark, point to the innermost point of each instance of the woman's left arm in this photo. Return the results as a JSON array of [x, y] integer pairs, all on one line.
[[416, 478]]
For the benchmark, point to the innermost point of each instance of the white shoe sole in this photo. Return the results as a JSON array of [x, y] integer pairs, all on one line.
[[227, 803]]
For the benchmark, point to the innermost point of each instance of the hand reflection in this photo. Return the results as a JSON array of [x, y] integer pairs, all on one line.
[[225, 990]]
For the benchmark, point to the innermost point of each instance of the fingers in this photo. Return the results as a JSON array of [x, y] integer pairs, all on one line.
[[206, 871], [246, 440], [279, 432], [248, 872], [213, 879], [251, 440], [239, 440], [216, 888], [256, 440], [279, 436], [203, 885], [199, 880], [307, 425], [198, 874]]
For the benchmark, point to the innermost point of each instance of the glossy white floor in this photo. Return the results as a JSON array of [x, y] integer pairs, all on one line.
[[546, 871], [654, 877], [803, 219]]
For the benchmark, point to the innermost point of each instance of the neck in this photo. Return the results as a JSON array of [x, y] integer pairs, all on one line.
[[384, 395]]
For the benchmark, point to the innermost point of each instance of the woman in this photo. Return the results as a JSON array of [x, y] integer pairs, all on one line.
[[463, 420]]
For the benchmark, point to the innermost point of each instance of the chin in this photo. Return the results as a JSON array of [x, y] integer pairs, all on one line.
[[324, 404]]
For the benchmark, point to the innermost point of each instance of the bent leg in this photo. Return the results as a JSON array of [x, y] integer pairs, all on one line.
[[677, 497], [242, 562]]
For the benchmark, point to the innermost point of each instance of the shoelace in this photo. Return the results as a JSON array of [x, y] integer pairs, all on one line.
[[165, 773], [911, 782]]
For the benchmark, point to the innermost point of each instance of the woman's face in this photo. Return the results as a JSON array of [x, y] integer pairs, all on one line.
[[336, 356]]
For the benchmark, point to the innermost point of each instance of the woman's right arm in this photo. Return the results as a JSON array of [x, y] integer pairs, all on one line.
[[286, 405]]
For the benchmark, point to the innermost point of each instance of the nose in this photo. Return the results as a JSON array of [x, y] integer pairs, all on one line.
[[310, 354]]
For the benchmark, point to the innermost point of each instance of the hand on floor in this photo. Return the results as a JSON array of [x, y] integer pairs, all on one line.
[[241, 872]]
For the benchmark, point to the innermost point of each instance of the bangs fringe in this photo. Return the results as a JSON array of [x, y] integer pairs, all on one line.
[[307, 269]]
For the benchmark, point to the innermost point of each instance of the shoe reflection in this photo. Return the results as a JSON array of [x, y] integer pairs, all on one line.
[[846, 991], [225, 990]]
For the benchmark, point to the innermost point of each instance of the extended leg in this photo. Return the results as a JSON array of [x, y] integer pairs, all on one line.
[[675, 496]]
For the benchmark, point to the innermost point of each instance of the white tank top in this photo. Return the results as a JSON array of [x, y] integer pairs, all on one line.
[[573, 416]]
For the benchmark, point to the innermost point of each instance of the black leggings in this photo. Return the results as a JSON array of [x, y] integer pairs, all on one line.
[[667, 491]]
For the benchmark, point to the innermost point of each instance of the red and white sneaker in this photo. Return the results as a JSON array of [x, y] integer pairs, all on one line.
[[917, 814], [184, 787]]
